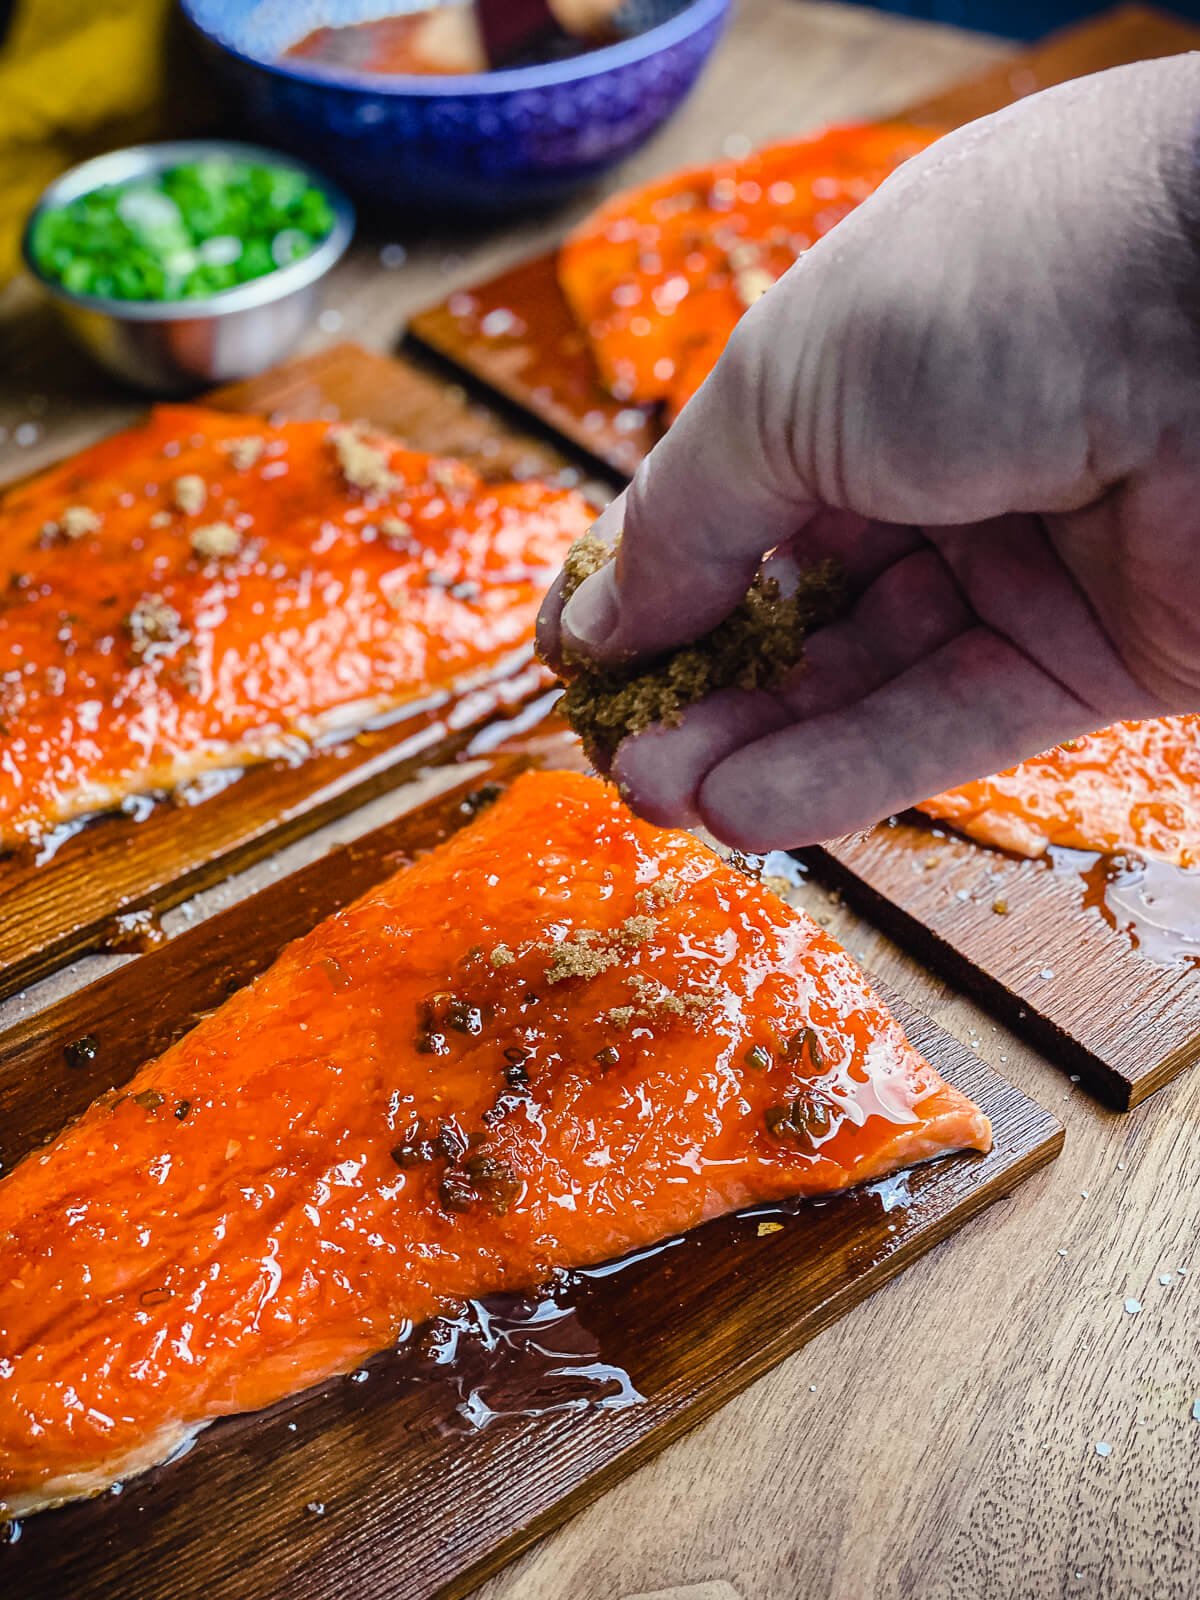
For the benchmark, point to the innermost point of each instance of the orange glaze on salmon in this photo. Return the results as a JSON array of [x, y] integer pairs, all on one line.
[[560, 1036], [1134, 786], [206, 590], [658, 277]]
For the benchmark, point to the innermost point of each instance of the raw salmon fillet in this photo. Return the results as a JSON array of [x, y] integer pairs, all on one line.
[[658, 277], [1132, 787], [207, 590], [562, 1035]]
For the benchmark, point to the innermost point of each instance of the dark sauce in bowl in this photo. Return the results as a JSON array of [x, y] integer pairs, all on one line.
[[395, 46]]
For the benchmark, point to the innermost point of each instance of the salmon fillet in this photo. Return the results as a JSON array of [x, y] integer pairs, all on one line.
[[206, 590], [658, 277], [1134, 786], [560, 1036]]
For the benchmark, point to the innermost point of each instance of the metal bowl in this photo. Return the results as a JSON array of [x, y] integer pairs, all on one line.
[[174, 347], [474, 145]]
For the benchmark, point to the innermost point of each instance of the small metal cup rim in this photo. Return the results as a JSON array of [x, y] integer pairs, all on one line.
[[134, 161]]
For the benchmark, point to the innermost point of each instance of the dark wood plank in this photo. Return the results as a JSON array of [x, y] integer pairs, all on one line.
[[515, 335], [415, 1502], [1050, 964], [1126, 33], [54, 910], [1124, 1022]]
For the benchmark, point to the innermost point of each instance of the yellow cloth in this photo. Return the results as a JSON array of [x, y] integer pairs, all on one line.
[[76, 77]]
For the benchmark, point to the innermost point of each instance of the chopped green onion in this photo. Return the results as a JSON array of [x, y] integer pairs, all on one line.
[[182, 234]]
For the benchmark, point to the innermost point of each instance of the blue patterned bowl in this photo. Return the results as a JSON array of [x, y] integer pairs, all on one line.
[[484, 144]]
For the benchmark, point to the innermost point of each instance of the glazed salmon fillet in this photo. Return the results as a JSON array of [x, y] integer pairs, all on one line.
[[659, 276], [1132, 787], [562, 1035], [207, 590]]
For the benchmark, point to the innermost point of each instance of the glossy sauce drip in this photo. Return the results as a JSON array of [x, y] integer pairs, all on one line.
[[561, 1037], [522, 1356], [1154, 904]]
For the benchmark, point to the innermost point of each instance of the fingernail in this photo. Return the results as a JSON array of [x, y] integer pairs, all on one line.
[[591, 615]]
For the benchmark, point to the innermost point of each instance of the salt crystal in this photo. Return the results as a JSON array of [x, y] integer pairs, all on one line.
[[1103, 1449], [812, 1389], [1083, 1194], [497, 323], [26, 433], [1062, 1252], [292, 1427], [1165, 1279], [1046, 973], [1074, 1077], [1196, 1410], [1133, 1306], [317, 1507]]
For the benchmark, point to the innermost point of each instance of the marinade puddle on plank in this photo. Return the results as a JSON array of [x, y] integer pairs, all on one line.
[[1152, 904], [506, 1359], [1155, 905]]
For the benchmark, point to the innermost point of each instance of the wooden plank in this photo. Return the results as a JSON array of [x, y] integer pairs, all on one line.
[[514, 334], [1127, 33], [56, 909], [414, 1501], [1050, 965], [1126, 1023]]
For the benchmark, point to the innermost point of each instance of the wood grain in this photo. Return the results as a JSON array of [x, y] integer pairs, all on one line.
[[1122, 1021], [54, 910], [940, 1441], [413, 1503], [1050, 966]]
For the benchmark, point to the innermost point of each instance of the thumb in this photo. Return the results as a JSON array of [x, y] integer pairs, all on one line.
[[703, 509]]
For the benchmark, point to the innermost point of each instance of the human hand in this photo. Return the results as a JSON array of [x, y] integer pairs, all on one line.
[[981, 394]]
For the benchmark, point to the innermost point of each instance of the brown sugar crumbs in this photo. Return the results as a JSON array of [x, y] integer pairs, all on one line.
[[244, 453], [364, 465], [755, 647], [216, 539], [583, 955], [589, 952], [663, 892], [653, 999], [189, 493], [152, 621], [76, 522]]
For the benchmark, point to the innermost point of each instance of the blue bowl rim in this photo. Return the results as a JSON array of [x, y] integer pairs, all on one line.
[[590, 64]]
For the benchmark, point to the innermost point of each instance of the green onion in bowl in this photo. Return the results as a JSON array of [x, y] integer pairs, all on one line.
[[184, 233]]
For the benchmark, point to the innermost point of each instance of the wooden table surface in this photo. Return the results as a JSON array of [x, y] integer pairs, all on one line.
[[942, 1440]]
